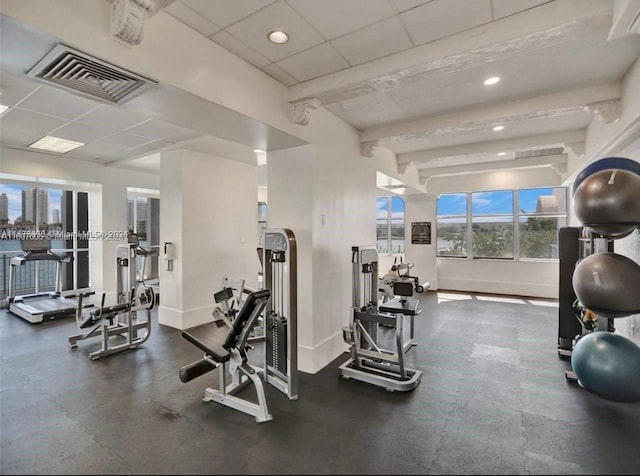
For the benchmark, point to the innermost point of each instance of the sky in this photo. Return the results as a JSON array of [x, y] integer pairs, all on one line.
[[14, 194], [490, 203], [397, 208]]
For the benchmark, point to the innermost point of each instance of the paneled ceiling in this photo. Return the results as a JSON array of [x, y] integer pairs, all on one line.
[[408, 74]]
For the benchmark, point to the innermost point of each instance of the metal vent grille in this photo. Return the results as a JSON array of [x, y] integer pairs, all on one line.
[[538, 153], [80, 73]]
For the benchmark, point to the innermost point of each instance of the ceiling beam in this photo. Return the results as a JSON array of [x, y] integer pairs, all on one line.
[[432, 157], [531, 162], [548, 105], [540, 27]]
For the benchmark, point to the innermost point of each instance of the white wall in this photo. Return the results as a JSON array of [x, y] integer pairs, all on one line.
[[208, 209], [107, 187], [537, 279], [325, 193], [420, 209]]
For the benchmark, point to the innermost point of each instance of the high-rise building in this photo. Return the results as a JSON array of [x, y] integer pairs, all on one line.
[[43, 206], [35, 205], [4, 209], [29, 205], [55, 216]]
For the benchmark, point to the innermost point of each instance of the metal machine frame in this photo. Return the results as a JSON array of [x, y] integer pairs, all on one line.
[[229, 357], [280, 323], [370, 362], [122, 318], [268, 316]]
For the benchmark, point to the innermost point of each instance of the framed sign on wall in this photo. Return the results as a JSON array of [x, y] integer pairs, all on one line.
[[420, 232]]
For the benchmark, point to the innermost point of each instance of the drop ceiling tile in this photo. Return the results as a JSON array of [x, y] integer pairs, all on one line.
[[148, 147], [17, 137], [375, 41], [192, 18], [57, 102], [79, 132], [404, 5], [93, 152], [225, 13], [238, 48], [333, 18], [157, 129], [254, 29], [119, 142], [111, 119], [14, 89], [441, 18], [276, 72], [318, 61], [502, 8], [27, 126]]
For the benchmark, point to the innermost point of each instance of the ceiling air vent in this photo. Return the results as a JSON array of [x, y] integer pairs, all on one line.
[[538, 153], [90, 77]]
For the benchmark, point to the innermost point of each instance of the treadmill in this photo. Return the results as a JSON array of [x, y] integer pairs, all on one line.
[[44, 306]]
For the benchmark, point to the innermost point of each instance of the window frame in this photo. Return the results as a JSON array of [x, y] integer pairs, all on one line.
[[389, 222], [39, 226], [517, 216], [153, 273]]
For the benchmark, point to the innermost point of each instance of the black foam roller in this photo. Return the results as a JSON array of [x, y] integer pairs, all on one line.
[[195, 370]]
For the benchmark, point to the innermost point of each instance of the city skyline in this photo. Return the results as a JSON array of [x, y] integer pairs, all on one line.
[[15, 205]]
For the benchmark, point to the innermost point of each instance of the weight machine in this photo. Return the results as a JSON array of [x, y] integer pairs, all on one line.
[[369, 361], [121, 319], [270, 314]]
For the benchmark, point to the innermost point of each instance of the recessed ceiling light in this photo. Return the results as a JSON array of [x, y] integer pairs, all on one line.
[[56, 144], [3, 108], [491, 80], [502, 153], [278, 37], [498, 128], [258, 151]]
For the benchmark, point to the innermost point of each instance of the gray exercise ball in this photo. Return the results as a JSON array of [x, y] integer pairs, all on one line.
[[608, 364], [608, 284], [608, 202]]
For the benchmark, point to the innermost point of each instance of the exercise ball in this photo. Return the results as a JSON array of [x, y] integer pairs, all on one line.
[[608, 364], [608, 284], [603, 164], [608, 202]]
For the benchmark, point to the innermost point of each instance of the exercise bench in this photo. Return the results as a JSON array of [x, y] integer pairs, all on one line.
[[228, 353]]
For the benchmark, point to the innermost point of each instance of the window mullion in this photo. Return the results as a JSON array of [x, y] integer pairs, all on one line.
[[516, 225], [469, 228]]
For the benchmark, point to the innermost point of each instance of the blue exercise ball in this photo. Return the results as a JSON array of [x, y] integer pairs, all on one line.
[[608, 202], [608, 284], [603, 164], [608, 364]]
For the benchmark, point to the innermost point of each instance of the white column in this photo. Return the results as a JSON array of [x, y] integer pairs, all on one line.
[[208, 209]]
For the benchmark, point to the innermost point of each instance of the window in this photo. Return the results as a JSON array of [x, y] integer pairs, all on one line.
[[143, 218], [504, 224], [451, 234], [492, 224], [262, 219], [542, 214], [51, 213], [390, 225]]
